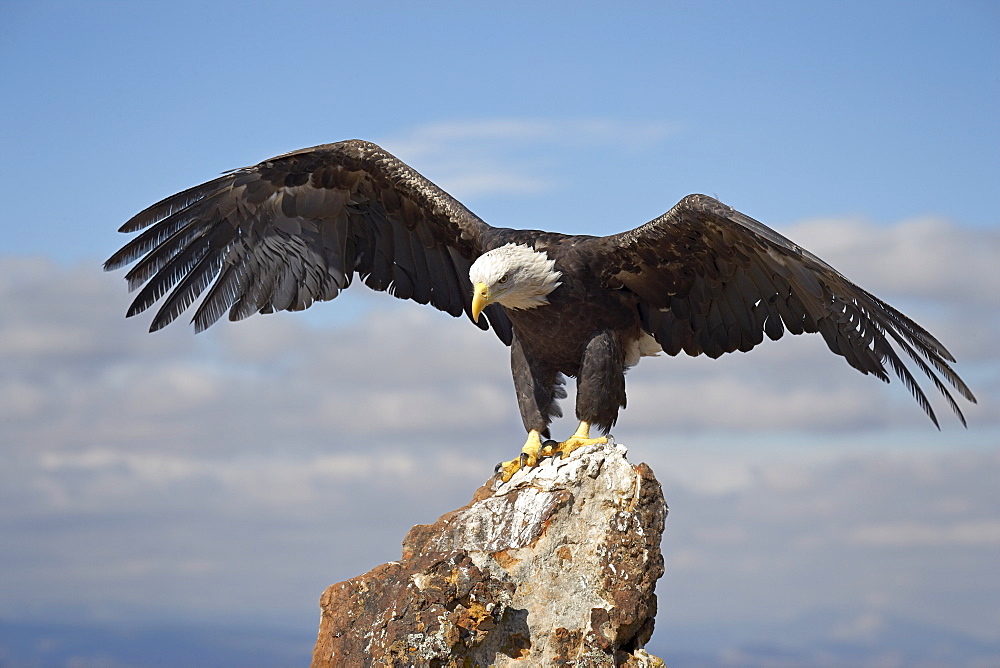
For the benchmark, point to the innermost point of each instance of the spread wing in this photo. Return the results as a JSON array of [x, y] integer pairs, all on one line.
[[711, 280], [296, 229]]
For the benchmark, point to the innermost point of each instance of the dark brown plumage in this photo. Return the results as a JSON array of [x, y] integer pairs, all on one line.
[[702, 278], [296, 229]]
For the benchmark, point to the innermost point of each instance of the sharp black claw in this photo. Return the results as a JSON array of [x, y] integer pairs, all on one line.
[[524, 459], [496, 469], [547, 448]]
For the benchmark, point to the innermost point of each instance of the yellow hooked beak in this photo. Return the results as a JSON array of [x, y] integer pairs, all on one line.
[[480, 300]]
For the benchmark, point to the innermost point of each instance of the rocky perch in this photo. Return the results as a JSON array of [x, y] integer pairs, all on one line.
[[556, 567]]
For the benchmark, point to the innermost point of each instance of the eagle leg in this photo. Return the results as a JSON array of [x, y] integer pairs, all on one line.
[[580, 438], [528, 458]]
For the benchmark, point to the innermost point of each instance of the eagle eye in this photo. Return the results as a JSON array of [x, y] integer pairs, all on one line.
[[502, 279]]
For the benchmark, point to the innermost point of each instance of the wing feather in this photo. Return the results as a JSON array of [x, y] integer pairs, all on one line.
[[296, 229], [711, 280]]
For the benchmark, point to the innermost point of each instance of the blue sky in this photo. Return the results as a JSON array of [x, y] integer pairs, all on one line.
[[788, 109], [191, 465]]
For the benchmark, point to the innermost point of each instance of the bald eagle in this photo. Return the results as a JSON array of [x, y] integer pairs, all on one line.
[[702, 278]]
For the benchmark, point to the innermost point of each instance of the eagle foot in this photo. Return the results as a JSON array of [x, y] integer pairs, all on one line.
[[579, 439], [534, 450], [509, 468], [527, 459], [571, 444]]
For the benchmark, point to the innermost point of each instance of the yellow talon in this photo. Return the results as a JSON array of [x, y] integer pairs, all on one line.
[[580, 438], [533, 450], [528, 458]]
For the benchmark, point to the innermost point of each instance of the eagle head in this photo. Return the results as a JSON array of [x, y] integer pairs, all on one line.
[[516, 276]]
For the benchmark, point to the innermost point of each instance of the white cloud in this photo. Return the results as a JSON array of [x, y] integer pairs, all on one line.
[[100, 479], [495, 157], [921, 258], [561, 132], [192, 464], [861, 628], [882, 536], [913, 534], [492, 180]]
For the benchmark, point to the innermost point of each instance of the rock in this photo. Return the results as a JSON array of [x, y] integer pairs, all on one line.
[[555, 567]]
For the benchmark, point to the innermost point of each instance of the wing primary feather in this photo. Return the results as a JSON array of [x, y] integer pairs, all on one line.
[[220, 297], [145, 242], [941, 387], [929, 346], [176, 203], [185, 292], [157, 259], [172, 272], [883, 347], [260, 273], [295, 229], [171, 235], [909, 327]]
